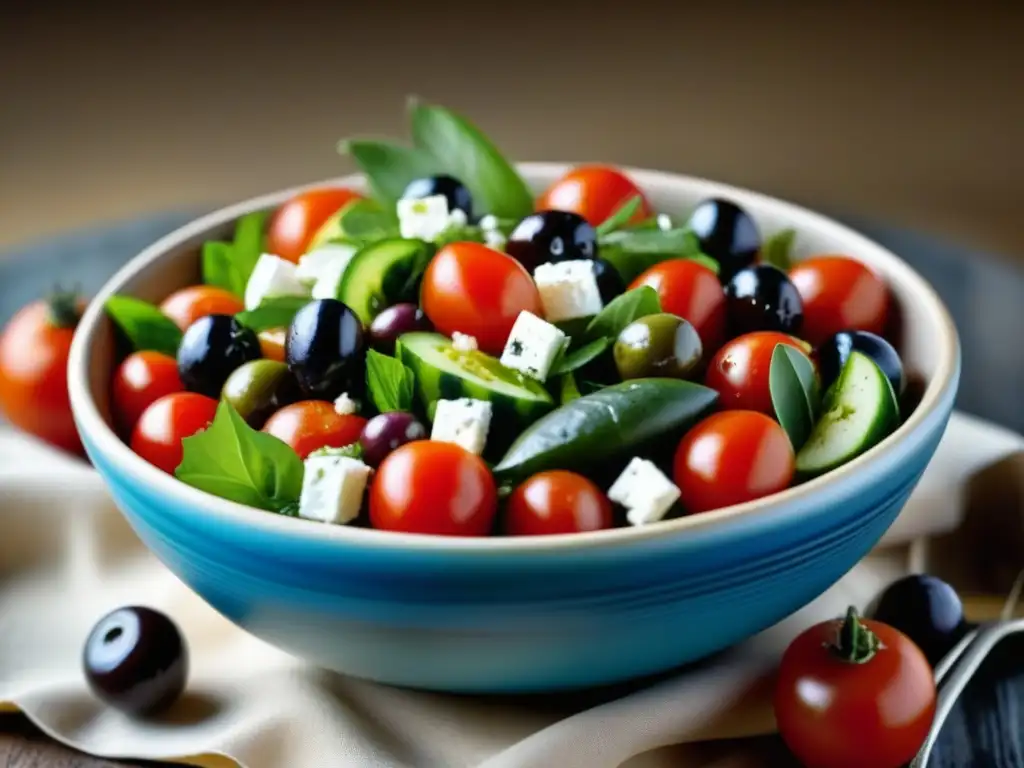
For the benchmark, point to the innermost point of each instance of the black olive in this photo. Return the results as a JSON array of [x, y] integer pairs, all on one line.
[[925, 609], [324, 349], [387, 431], [454, 191], [762, 298], [835, 351], [391, 323], [135, 659], [609, 281], [551, 236], [727, 234], [211, 349]]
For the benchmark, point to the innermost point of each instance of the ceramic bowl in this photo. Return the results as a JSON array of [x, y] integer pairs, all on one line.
[[522, 614]]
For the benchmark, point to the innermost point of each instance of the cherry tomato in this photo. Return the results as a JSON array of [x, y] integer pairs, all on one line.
[[739, 371], [33, 370], [853, 693], [594, 192], [312, 424], [294, 224], [433, 487], [272, 343], [557, 502], [164, 424], [186, 306], [693, 292], [476, 290], [140, 380], [839, 294], [732, 457]]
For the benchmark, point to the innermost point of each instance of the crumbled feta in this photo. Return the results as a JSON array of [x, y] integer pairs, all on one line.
[[345, 405], [464, 422], [664, 222], [272, 276], [463, 342], [644, 491], [319, 261], [493, 237], [532, 346], [489, 223], [568, 289], [424, 218], [332, 489], [457, 218]]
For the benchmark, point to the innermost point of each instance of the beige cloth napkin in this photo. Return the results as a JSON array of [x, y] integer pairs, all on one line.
[[66, 557]]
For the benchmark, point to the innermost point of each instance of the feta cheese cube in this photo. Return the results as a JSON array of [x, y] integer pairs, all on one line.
[[332, 489], [464, 422], [644, 491], [272, 276], [327, 282], [424, 218], [568, 289], [317, 262], [345, 405], [463, 342], [533, 346]]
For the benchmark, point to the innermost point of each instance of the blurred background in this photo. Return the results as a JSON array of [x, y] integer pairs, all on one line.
[[908, 112]]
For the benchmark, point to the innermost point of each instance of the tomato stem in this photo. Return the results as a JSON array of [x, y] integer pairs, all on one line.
[[63, 308], [855, 643]]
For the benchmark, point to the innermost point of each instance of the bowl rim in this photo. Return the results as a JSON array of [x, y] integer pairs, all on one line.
[[103, 440]]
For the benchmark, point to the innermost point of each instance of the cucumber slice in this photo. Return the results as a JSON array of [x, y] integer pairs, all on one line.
[[861, 410], [382, 274]]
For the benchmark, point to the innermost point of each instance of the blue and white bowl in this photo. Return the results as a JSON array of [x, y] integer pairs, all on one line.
[[529, 613]]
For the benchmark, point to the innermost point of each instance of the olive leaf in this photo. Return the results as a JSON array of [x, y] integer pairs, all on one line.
[[620, 217], [145, 326], [621, 311], [793, 386], [274, 312], [576, 359], [389, 167], [390, 382], [777, 250]]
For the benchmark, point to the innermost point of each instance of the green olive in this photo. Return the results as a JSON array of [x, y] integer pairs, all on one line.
[[258, 388], [658, 345]]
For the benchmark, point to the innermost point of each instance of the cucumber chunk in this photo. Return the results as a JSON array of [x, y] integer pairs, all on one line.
[[382, 274]]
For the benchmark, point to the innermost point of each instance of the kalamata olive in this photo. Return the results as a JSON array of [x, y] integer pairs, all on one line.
[[324, 350], [657, 345], [835, 351], [454, 191], [762, 298], [925, 609], [609, 282], [136, 660], [727, 234], [260, 387], [393, 322], [387, 431], [211, 348], [548, 237]]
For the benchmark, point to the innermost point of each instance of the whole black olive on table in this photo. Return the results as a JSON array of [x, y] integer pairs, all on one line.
[[835, 351], [211, 349], [726, 233], [324, 350], [454, 191], [925, 609], [762, 298]]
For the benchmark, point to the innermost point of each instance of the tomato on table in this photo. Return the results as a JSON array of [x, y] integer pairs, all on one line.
[[166, 422], [142, 379], [433, 487], [730, 458], [853, 693], [313, 424], [691, 291], [557, 501], [479, 291], [839, 294], [272, 343], [34, 349], [594, 192], [296, 222], [739, 371], [187, 305]]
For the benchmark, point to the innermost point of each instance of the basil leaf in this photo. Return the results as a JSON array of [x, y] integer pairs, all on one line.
[[793, 387], [232, 460], [580, 357], [621, 216], [274, 312], [568, 391], [366, 221], [218, 268], [778, 249], [248, 244], [146, 327], [467, 154], [389, 167], [389, 381], [621, 311], [633, 251]]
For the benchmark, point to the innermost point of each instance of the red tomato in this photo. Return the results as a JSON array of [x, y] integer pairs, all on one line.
[[294, 224], [474, 289], [164, 424], [595, 192], [142, 379], [739, 372], [835, 713], [693, 292], [433, 487], [557, 502], [272, 343], [186, 306], [312, 424], [732, 457], [33, 370], [839, 294]]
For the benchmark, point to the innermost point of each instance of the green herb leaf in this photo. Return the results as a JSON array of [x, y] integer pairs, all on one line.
[[580, 357], [466, 153], [793, 387], [274, 312], [633, 251], [366, 221], [146, 327], [352, 451], [567, 389], [389, 167], [218, 268], [778, 249], [391, 384], [621, 311], [232, 460], [621, 217], [248, 244]]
